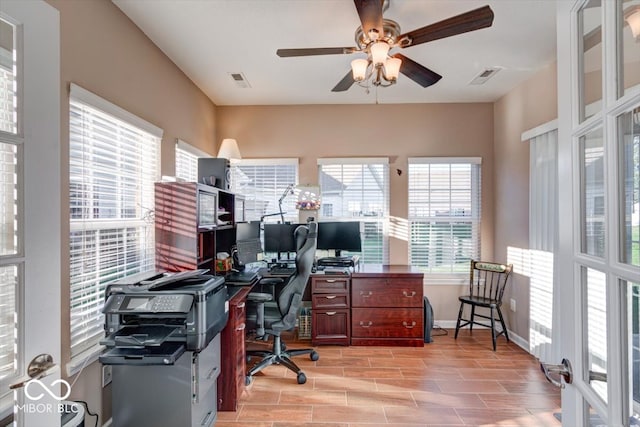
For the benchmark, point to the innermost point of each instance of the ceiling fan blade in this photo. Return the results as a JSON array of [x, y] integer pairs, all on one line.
[[463, 23], [416, 72], [345, 83], [315, 51], [370, 13]]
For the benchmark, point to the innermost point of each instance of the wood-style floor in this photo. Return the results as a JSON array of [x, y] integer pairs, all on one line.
[[445, 383]]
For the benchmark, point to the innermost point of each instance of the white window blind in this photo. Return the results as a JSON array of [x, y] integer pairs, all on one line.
[[114, 162], [187, 161], [11, 227], [263, 182], [444, 214], [357, 189]]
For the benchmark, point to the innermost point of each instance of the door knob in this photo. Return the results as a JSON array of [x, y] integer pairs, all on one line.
[[39, 367], [563, 370]]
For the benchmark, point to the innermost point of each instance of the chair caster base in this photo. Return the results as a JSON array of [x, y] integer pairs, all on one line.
[[302, 378], [314, 356]]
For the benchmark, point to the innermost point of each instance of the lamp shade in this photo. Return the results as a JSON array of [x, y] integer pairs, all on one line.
[[633, 19], [379, 52], [392, 69], [229, 149], [359, 69]]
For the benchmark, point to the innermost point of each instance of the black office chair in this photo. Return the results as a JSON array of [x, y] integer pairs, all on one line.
[[487, 282], [275, 316]]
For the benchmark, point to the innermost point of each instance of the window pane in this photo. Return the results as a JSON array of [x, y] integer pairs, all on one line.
[[8, 195], [590, 17], [8, 82], [595, 284], [360, 192], [630, 48], [186, 165], [633, 339], [8, 308], [629, 165], [444, 216], [263, 186], [592, 198]]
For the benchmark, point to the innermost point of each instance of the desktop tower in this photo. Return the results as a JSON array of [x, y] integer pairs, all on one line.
[[428, 320], [220, 169]]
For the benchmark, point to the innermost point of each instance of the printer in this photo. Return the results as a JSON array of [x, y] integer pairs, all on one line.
[[162, 340]]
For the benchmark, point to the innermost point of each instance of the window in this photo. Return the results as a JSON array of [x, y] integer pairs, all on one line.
[[444, 214], [187, 161], [11, 251], [264, 183], [357, 189], [114, 162]]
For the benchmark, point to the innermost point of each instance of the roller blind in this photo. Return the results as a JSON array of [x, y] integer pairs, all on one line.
[[444, 214], [114, 162], [357, 189], [263, 182]]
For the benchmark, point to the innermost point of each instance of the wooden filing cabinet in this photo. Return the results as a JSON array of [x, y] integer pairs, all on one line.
[[233, 362], [386, 306], [330, 310]]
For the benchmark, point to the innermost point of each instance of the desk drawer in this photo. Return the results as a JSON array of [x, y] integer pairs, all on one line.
[[332, 285], [382, 292], [326, 301], [386, 323]]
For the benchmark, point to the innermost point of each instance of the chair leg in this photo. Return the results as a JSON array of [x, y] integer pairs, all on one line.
[[473, 315], [504, 327], [459, 318], [493, 329]]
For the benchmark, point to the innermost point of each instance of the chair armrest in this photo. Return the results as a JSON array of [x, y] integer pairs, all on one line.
[[259, 297]]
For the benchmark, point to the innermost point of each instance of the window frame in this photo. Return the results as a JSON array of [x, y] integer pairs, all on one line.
[[187, 153], [449, 277]]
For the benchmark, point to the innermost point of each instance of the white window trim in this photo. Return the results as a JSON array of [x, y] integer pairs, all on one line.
[[191, 149], [353, 160], [270, 161], [439, 160]]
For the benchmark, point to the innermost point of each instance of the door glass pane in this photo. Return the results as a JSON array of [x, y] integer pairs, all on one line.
[[633, 338], [629, 166], [8, 100], [8, 297], [592, 188], [590, 18], [595, 284], [630, 45], [8, 204]]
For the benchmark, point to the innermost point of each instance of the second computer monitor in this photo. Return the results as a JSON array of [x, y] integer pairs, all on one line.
[[278, 238], [339, 236]]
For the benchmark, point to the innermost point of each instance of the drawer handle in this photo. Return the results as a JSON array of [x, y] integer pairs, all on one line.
[[207, 419], [406, 294], [330, 296], [241, 305], [367, 295], [241, 327], [368, 325], [331, 280], [331, 313], [406, 325]]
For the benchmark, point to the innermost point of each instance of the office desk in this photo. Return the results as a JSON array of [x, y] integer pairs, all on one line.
[[233, 358]]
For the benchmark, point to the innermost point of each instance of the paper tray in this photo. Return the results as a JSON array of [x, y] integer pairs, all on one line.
[[139, 336], [166, 354]]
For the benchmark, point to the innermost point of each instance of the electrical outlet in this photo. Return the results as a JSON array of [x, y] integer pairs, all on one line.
[[512, 304], [106, 375]]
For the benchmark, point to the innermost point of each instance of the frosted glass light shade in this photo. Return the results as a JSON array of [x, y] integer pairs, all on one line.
[[392, 68], [633, 19], [229, 149], [379, 52], [359, 69]]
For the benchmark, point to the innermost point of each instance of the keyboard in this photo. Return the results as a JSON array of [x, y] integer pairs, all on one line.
[[241, 276], [282, 271]]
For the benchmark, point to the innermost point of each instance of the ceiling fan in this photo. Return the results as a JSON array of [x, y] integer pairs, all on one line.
[[377, 36]]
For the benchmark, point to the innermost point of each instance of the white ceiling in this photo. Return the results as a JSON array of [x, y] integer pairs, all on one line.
[[209, 39]]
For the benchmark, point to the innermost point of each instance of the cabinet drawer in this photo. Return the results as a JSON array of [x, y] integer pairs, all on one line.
[[331, 327], [387, 323], [329, 285], [381, 292], [325, 301]]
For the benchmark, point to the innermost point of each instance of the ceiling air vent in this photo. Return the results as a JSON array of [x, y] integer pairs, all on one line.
[[240, 80], [484, 76]]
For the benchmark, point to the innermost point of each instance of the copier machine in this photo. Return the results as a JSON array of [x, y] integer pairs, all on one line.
[[162, 340]]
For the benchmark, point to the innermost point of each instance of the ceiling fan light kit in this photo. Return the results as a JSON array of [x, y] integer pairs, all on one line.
[[376, 37]]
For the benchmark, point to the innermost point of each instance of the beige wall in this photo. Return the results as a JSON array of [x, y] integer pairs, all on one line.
[[104, 52], [310, 132], [525, 107]]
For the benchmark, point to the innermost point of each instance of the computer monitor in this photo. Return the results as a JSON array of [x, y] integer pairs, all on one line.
[[278, 238], [339, 236], [248, 243]]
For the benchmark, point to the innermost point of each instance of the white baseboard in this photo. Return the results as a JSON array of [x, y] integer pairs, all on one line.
[[517, 340]]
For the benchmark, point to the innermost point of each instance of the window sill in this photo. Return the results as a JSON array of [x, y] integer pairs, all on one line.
[[445, 280], [83, 360]]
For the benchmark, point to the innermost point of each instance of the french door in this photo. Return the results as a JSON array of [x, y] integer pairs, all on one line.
[[599, 222]]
